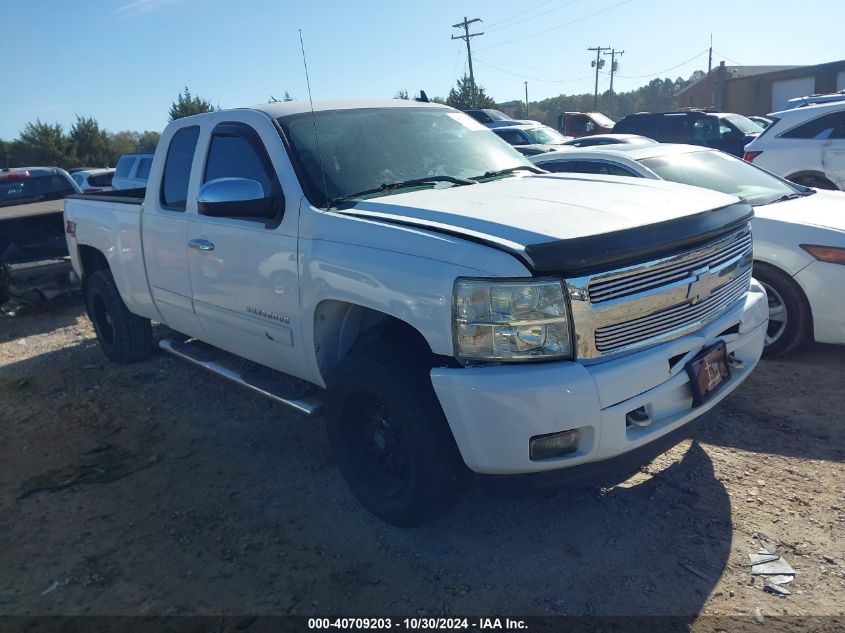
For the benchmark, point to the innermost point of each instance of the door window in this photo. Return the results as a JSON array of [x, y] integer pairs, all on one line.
[[177, 168], [236, 151], [514, 137]]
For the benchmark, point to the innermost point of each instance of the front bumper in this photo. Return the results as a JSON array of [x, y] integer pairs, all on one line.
[[823, 284], [494, 411]]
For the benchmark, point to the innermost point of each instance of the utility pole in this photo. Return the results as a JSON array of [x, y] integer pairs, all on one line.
[[709, 68], [466, 37], [597, 63], [526, 97], [613, 68]]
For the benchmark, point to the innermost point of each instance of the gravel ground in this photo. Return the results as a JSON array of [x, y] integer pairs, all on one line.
[[157, 489]]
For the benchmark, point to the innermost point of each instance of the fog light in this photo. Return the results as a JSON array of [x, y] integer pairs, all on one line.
[[553, 445]]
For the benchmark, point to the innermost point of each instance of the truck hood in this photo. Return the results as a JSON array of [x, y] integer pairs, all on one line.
[[567, 222]]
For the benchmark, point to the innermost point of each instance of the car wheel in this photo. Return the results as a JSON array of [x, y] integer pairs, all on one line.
[[789, 313], [390, 438], [124, 337], [815, 181]]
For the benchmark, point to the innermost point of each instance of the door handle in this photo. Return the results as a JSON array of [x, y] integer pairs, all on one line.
[[201, 245]]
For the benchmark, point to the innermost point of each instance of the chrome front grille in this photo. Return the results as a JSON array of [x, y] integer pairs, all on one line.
[[659, 300], [605, 289], [686, 316]]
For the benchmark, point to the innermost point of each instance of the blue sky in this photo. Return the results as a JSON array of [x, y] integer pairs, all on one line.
[[124, 61]]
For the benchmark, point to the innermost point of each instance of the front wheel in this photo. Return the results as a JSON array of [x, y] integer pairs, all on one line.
[[390, 438], [789, 312], [124, 337]]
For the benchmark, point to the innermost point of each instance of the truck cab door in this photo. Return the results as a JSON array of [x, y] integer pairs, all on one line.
[[244, 270], [164, 234]]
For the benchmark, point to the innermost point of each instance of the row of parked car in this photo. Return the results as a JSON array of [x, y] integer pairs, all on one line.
[[788, 166]]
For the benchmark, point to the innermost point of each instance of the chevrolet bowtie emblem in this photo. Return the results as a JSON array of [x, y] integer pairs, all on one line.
[[703, 286]]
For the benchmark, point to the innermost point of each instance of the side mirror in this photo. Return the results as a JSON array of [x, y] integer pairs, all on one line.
[[235, 198]]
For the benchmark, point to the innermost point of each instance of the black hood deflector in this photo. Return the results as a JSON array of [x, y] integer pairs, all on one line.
[[595, 253]]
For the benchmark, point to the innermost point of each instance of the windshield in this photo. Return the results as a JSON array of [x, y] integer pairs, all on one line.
[[546, 135], [744, 125], [21, 188], [498, 116], [363, 149], [719, 171]]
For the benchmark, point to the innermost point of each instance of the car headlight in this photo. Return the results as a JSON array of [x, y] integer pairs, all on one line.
[[510, 320]]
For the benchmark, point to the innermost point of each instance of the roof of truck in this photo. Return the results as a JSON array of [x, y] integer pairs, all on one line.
[[288, 108]]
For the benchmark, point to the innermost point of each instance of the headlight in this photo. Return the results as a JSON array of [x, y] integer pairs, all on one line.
[[510, 320]]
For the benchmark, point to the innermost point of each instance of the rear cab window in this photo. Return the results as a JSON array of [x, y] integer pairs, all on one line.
[[22, 187], [124, 166], [177, 168]]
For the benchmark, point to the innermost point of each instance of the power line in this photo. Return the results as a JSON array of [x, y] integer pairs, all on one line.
[[728, 58], [697, 55], [516, 15], [559, 26], [532, 17], [507, 72], [467, 36]]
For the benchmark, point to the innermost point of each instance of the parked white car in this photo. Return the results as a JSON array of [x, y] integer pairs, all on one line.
[[799, 232], [800, 102], [94, 180], [805, 145], [609, 139], [132, 171]]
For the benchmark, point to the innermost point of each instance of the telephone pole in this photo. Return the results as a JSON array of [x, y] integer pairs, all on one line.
[[709, 68], [613, 68], [466, 37], [526, 97], [598, 64]]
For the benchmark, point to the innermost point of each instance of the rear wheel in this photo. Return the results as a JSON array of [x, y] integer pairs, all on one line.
[[123, 336], [789, 312], [390, 438], [814, 180]]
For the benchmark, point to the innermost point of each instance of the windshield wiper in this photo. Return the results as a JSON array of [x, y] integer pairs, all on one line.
[[401, 184], [510, 170], [787, 196]]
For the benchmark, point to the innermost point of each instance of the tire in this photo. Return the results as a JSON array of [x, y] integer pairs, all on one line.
[[815, 181], [790, 320], [123, 336], [390, 438]]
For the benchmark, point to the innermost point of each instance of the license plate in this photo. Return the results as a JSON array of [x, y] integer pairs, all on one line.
[[707, 372]]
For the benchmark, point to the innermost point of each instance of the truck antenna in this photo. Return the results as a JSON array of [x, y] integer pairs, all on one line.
[[314, 121]]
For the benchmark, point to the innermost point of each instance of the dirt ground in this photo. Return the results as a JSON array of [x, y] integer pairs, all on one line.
[[157, 489]]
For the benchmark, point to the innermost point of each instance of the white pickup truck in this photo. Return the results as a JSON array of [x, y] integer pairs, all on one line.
[[447, 306]]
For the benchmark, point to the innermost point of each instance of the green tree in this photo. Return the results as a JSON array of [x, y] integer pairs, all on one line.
[[402, 93], [187, 104], [285, 97], [463, 96], [44, 144], [90, 143], [122, 143], [5, 154], [147, 142]]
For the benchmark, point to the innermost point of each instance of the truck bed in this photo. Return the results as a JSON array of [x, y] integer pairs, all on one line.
[[119, 196]]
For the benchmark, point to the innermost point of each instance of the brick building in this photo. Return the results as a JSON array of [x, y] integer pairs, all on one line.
[[760, 89]]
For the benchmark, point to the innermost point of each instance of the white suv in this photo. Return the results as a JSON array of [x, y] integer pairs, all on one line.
[[805, 145]]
